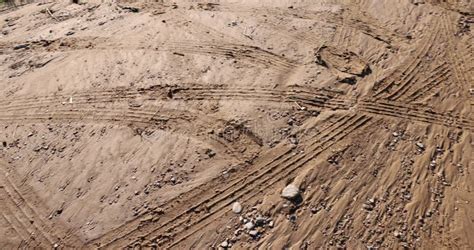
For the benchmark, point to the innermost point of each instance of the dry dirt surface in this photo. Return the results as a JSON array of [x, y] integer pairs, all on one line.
[[271, 124]]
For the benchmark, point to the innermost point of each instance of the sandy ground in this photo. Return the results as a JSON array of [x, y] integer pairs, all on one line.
[[177, 124]]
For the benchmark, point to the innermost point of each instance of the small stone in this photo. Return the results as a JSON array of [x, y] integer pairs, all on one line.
[[253, 233], [292, 218], [367, 207], [420, 145], [236, 207], [290, 192], [293, 140], [249, 225], [260, 221], [21, 46], [225, 244], [397, 234]]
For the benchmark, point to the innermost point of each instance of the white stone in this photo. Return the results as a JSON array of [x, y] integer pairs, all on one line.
[[225, 244], [290, 192], [249, 225], [236, 207]]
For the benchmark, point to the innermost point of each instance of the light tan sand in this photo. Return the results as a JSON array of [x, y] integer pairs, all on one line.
[[140, 123]]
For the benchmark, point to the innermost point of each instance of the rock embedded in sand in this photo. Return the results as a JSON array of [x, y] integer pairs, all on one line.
[[271, 224], [21, 46], [249, 225], [236, 207], [290, 192], [260, 221], [225, 244], [420, 145], [253, 233]]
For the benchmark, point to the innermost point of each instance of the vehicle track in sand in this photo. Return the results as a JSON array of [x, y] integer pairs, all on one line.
[[21, 208], [415, 113], [82, 101], [288, 168], [415, 79], [153, 118], [244, 52], [238, 51], [431, 83], [366, 24], [455, 56], [402, 77], [352, 17], [185, 222], [319, 98], [212, 199]]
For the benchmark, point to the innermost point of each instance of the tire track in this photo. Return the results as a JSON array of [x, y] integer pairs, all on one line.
[[232, 50], [275, 168], [319, 99], [352, 17], [329, 140], [13, 219], [26, 218], [455, 61], [239, 51], [20, 221], [280, 25], [359, 20], [433, 82], [416, 78], [399, 76], [399, 110], [137, 224], [148, 117]]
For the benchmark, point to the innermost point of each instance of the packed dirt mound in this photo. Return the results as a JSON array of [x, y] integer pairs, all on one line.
[[347, 63], [236, 124]]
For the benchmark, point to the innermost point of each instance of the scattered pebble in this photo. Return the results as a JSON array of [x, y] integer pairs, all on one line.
[[21, 46], [236, 207], [249, 225], [253, 233], [225, 244], [290, 192]]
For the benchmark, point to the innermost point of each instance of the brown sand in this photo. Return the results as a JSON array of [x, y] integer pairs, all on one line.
[[141, 123]]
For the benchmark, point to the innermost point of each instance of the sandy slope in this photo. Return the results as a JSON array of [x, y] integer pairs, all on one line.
[[141, 123]]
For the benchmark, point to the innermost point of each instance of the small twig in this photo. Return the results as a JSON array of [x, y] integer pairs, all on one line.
[[51, 14], [300, 107]]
